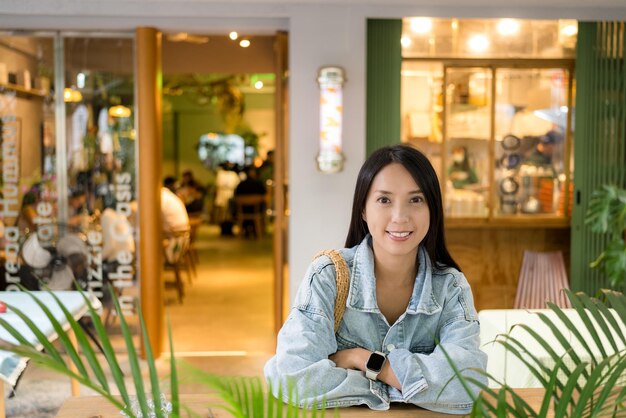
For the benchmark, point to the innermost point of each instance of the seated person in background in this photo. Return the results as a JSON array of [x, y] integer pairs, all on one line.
[[174, 214], [175, 219], [250, 186], [460, 172], [117, 234], [77, 209], [170, 183], [192, 195], [28, 212]]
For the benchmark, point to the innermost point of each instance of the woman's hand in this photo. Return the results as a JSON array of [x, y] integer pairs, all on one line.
[[352, 358], [356, 358]]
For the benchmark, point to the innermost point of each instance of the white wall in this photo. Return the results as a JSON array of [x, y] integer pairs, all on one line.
[[319, 34]]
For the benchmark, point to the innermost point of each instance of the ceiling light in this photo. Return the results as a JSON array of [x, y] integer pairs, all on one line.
[[119, 111], [478, 43], [421, 24], [258, 85], [233, 35], [71, 95], [508, 27], [80, 80], [244, 43], [405, 41], [569, 29], [185, 37]]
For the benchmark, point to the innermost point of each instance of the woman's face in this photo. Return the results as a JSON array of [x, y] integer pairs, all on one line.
[[396, 212]]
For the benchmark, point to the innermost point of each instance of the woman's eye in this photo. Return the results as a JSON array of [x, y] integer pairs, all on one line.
[[417, 199], [383, 199]]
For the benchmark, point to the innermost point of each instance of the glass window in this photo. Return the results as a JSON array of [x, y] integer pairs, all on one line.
[[425, 37], [27, 184], [100, 151], [531, 115], [467, 136]]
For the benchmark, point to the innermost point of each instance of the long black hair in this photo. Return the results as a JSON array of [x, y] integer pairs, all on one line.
[[425, 177]]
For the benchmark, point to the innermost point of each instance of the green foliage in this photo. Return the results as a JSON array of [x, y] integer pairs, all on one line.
[[607, 215], [92, 374], [586, 381], [243, 397]]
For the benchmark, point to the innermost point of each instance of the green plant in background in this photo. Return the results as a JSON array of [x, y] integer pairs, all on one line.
[[584, 382], [243, 397], [607, 215]]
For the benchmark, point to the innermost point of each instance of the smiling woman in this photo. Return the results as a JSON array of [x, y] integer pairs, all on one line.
[[408, 303]]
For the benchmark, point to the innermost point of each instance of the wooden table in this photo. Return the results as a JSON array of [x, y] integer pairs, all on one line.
[[97, 407]]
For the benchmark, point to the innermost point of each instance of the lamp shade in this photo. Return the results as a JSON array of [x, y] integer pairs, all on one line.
[[330, 158]]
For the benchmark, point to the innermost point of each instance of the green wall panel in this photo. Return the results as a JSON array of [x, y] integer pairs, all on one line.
[[384, 63], [600, 138]]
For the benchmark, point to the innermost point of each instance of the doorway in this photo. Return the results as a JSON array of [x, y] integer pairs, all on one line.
[[223, 112]]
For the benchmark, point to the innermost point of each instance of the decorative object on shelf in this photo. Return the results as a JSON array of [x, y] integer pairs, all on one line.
[[607, 215], [510, 142], [330, 158]]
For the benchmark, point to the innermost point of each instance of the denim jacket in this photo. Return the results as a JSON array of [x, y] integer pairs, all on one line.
[[441, 307]]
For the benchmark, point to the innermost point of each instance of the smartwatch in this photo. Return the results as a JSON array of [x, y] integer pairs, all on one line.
[[374, 365]]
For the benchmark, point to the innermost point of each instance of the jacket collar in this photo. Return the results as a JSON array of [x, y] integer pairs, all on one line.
[[362, 294]]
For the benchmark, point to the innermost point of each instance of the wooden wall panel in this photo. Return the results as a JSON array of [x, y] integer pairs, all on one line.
[[491, 258]]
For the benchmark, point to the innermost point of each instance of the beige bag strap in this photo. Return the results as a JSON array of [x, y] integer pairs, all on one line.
[[342, 277]]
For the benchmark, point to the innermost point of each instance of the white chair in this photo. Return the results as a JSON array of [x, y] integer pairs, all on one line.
[[505, 366]]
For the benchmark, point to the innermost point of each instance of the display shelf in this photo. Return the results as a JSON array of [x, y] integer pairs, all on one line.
[[515, 221], [22, 91]]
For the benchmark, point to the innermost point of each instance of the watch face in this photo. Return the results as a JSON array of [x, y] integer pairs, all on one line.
[[375, 362]]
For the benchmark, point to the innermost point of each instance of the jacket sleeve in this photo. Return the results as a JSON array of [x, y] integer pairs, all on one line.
[[428, 380], [305, 342]]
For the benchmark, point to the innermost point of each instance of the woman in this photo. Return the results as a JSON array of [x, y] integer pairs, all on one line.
[[406, 294], [460, 172]]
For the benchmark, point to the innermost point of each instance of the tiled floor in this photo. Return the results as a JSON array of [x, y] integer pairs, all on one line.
[[224, 325]]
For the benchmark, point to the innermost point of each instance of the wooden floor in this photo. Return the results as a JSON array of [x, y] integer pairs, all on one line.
[[226, 317]]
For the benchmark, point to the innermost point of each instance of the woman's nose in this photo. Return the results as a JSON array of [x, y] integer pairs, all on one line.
[[400, 213]]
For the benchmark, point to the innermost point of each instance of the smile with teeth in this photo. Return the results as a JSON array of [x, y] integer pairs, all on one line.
[[399, 234]]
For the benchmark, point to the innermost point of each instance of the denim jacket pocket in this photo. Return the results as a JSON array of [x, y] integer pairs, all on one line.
[[422, 349]]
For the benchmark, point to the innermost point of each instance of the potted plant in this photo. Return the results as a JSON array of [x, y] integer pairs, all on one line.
[[607, 215]]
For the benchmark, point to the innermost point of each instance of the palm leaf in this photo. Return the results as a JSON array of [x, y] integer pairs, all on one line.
[[593, 387], [53, 360]]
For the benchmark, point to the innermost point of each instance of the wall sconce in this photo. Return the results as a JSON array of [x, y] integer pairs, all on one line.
[[330, 158]]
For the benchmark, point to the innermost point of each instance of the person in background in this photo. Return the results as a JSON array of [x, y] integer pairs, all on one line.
[[226, 181], [117, 234], [266, 170], [77, 209], [170, 183], [460, 172], [408, 302], [174, 214], [26, 217], [251, 185]]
